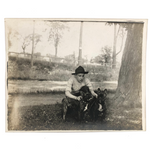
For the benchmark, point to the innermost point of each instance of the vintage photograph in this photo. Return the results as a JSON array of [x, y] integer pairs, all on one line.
[[75, 74]]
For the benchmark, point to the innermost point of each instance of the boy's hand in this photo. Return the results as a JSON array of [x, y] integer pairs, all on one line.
[[95, 95], [79, 98]]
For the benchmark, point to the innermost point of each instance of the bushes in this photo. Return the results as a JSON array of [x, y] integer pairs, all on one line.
[[94, 69], [59, 75], [19, 68]]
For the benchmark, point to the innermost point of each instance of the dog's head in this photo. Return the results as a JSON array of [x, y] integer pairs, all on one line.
[[85, 93], [101, 95]]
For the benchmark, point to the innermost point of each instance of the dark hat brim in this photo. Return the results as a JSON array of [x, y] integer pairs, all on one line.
[[80, 72]]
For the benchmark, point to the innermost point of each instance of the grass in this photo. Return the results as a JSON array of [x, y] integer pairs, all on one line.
[[33, 112]]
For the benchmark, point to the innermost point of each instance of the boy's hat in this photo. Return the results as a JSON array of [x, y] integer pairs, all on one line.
[[80, 69]]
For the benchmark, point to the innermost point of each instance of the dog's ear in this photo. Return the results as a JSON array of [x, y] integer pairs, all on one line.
[[105, 91], [99, 89]]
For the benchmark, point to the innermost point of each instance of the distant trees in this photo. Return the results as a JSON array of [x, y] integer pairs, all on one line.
[[26, 42], [55, 33], [28, 39], [12, 34], [37, 54], [70, 59], [104, 57], [106, 54], [97, 59], [35, 38]]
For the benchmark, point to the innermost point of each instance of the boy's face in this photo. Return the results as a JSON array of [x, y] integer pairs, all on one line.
[[80, 77]]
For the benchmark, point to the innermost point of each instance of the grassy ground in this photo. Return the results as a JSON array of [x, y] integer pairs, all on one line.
[[32, 112]]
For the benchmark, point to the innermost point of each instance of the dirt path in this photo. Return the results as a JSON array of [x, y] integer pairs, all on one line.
[[35, 86], [44, 112]]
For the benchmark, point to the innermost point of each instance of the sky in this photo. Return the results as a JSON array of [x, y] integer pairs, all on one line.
[[95, 35]]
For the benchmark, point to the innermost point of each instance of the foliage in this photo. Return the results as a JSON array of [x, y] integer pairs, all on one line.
[[19, 68], [29, 38], [104, 57], [26, 42], [70, 58], [55, 32], [97, 59], [121, 24], [37, 54], [106, 54]]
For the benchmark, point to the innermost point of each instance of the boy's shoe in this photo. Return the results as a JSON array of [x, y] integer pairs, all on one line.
[[86, 107], [100, 108]]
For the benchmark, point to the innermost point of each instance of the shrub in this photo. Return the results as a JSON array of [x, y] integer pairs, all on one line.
[[55, 71]]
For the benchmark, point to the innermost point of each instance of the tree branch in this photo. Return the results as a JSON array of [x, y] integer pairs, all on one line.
[[118, 32], [121, 45]]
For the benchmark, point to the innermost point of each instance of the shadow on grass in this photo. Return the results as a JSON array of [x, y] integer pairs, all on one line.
[[49, 117]]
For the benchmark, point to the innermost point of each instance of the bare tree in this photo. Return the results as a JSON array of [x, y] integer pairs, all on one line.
[[55, 33], [26, 42], [122, 35], [117, 32]]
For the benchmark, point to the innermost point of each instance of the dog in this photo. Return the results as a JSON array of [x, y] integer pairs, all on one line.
[[85, 93], [98, 105]]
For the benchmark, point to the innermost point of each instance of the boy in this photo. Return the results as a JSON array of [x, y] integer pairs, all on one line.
[[76, 82]]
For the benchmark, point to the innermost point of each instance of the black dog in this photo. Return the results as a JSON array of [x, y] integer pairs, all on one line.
[[84, 92], [98, 105]]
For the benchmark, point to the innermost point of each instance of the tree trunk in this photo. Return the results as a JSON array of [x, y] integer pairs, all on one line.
[[23, 51], [80, 46], [74, 57], [114, 48], [32, 45], [55, 51], [129, 91]]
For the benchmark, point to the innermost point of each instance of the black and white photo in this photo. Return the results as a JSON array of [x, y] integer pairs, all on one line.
[[75, 74]]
